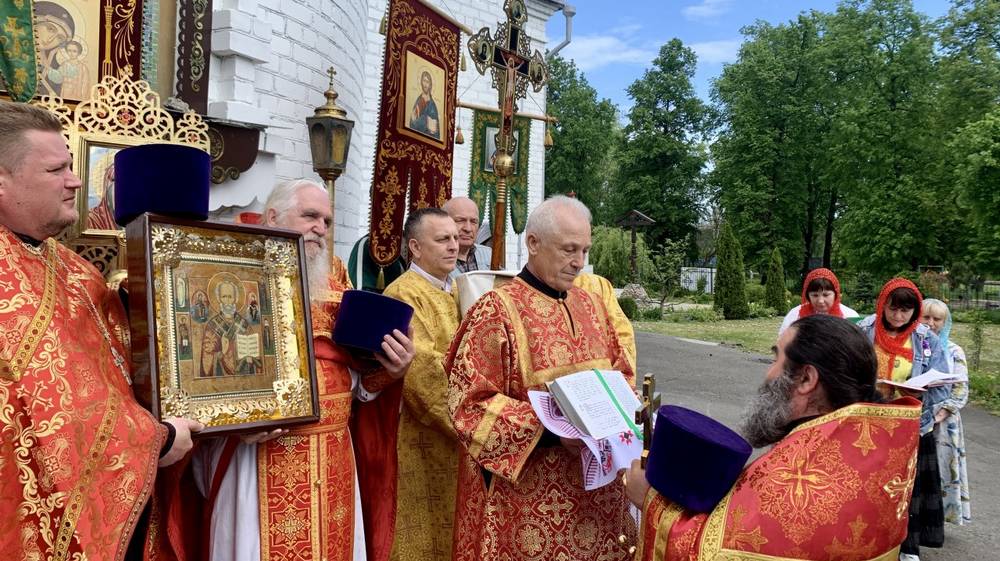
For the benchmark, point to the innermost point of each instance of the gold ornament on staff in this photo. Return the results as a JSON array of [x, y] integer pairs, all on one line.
[[647, 413], [506, 55]]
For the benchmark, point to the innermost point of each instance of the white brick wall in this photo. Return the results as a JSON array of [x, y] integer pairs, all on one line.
[[269, 61]]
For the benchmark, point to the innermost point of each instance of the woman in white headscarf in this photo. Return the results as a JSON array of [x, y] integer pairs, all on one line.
[[948, 421]]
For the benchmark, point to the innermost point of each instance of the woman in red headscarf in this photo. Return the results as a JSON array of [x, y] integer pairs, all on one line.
[[906, 348], [820, 295]]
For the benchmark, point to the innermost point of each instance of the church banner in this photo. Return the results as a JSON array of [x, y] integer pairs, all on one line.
[[17, 50], [482, 180], [416, 121]]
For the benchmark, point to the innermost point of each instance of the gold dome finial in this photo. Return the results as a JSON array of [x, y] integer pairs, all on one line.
[[330, 108]]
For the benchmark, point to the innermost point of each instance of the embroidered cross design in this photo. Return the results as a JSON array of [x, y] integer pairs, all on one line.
[[900, 489]]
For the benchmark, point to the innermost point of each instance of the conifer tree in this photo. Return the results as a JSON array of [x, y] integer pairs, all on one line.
[[730, 278], [774, 288]]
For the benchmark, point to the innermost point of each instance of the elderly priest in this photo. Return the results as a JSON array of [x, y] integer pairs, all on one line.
[[516, 338]]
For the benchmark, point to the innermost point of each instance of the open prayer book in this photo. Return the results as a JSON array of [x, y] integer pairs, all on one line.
[[929, 379], [599, 403], [597, 407]]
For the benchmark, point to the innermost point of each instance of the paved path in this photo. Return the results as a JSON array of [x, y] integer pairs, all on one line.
[[718, 381]]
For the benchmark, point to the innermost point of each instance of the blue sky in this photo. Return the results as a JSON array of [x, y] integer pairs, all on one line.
[[614, 42]]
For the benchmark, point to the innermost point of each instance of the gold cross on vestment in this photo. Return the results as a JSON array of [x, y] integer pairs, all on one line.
[[506, 55], [15, 32]]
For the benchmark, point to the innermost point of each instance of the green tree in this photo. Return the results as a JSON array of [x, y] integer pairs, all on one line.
[[884, 145], [730, 277], [663, 152], [585, 137], [774, 289], [610, 254], [665, 274], [770, 162], [977, 176]]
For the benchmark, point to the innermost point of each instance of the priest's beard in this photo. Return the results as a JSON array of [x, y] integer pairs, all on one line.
[[768, 415], [318, 272]]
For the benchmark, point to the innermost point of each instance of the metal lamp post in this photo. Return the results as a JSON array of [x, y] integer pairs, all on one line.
[[330, 139]]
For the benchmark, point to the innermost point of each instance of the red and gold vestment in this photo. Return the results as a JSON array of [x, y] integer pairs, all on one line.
[[837, 488], [306, 478], [78, 454], [515, 339]]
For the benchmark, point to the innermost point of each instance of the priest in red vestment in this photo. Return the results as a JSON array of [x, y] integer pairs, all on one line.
[[521, 494], [78, 454], [295, 495], [836, 484]]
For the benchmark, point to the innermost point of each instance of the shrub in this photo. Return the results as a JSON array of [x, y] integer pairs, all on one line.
[[652, 314], [694, 314], [629, 306], [755, 292], [758, 310], [730, 280], [774, 290], [931, 284], [701, 284]]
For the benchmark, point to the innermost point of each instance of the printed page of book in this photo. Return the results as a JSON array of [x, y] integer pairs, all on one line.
[[601, 400]]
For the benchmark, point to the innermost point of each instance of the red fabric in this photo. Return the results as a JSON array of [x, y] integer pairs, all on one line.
[[374, 426], [78, 454], [894, 345], [807, 307], [406, 160], [176, 528], [249, 218], [836, 488]]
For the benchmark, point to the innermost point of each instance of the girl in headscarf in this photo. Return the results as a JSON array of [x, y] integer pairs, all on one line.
[[820, 295], [906, 348], [948, 430]]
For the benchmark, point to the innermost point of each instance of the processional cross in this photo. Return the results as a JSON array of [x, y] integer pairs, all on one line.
[[506, 55], [647, 413]]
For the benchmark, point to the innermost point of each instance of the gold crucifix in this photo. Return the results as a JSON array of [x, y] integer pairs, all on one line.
[[506, 55]]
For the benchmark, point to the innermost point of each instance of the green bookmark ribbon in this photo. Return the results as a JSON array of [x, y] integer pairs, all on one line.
[[621, 410]]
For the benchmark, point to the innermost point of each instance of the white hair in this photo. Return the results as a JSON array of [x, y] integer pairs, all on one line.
[[542, 220], [282, 197], [281, 200]]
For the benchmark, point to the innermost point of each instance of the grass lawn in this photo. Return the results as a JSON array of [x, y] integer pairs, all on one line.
[[758, 335]]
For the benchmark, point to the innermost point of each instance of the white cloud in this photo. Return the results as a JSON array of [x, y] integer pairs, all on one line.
[[716, 52], [707, 9], [591, 52]]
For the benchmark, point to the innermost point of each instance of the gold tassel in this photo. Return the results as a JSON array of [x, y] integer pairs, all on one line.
[[380, 283], [383, 27], [463, 61], [549, 142], [459, 137]]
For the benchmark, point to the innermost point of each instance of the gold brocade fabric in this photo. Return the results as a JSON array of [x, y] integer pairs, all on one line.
[[623, 327], [836, 489], [426, 445], [514, 339], [306, 478], [78, 454]]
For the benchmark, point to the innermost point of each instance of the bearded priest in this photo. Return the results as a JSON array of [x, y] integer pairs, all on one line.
[[835, 485], [515, 339]]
